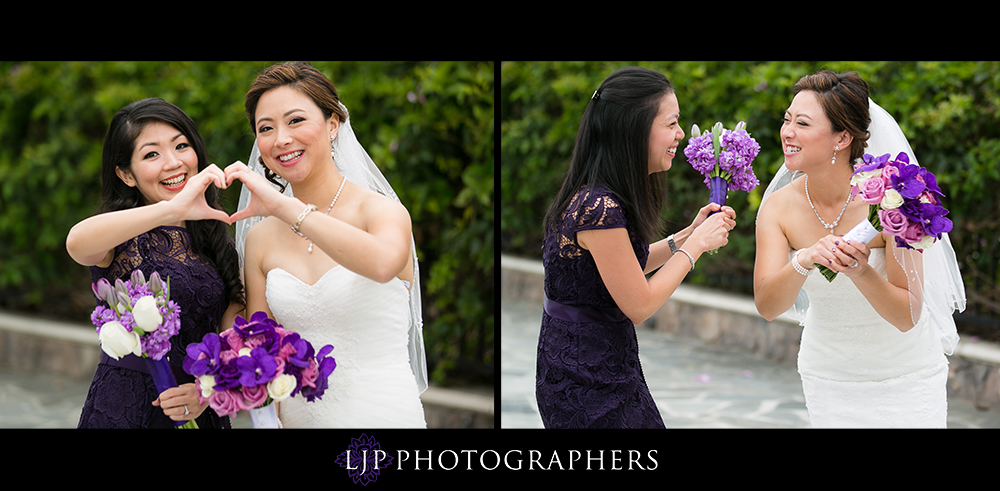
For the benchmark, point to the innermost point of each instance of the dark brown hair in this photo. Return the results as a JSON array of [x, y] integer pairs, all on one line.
[[302, 77], [844, 98], [612, 148]]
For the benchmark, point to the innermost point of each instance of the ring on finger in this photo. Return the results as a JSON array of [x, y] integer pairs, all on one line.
[[186, 412]]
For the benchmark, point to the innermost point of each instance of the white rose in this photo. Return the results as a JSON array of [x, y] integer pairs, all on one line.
[[281, 387], [861, 177], [892, 199], [244, 351], [207, 383], [146, 314], [117, 341]]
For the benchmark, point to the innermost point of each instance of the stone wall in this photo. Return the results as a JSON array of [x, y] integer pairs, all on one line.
[[729, 320]]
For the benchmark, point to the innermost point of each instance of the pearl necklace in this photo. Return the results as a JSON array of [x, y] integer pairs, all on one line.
[[828, 226], [329, 208]]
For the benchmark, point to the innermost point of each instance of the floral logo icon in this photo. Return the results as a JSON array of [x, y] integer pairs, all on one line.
[[364, 459]]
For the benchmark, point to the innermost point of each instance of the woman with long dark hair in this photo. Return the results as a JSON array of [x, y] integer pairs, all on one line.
[[159, 212], [597, 252]]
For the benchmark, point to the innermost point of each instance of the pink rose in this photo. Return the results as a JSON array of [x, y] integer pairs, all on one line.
[[228, 355], [914, 232], [253, 396], [888, 171], [234, 339], [224, 402], [310, 374], [893, 221], [872, 190]]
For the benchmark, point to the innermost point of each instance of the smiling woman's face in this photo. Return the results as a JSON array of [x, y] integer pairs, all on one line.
[[162, 162]]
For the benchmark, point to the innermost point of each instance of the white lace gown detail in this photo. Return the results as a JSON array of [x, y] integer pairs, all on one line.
[[858, 371], [367, 324]]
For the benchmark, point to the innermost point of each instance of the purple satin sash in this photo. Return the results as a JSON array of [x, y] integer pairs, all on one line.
[[136, 363], [574, 313]]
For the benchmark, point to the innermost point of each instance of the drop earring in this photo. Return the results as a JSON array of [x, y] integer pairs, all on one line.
[[834, 161]]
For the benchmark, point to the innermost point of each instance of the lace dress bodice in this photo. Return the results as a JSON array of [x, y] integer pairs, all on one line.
[[122, 392]]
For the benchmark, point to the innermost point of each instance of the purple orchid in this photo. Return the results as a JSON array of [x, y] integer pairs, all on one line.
[[259, 323], [257, 368], [906, 183], [203, 358]]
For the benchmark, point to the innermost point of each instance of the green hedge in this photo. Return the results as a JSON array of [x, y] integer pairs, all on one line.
[[429, 126], [948, 110]]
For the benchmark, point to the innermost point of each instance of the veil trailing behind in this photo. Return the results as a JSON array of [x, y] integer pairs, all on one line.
[[935, 283], [354, 163]]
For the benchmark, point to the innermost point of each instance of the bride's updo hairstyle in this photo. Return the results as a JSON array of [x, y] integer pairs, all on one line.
[[844, 98], [302, 77], [612, 148]]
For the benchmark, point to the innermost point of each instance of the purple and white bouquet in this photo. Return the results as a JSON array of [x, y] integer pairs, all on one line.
[[904, 203], [904, 199], [724, 157], [255, 363], [139, 319]]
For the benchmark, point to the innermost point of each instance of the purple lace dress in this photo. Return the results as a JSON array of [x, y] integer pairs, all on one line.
[[588, 373], [122, 393]]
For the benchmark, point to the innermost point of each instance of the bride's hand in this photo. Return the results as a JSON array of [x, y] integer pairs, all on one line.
[[264, 199], [190, 202], [852, 257], [830, 252]]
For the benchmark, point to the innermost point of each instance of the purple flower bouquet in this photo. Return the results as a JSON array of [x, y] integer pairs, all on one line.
[[724, 157], [139, 319], [255, 363], [904, 203]]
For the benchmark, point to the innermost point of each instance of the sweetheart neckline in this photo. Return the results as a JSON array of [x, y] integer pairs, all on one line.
[[324, 275]]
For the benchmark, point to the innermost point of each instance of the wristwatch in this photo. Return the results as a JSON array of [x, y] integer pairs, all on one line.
[[670, 242]]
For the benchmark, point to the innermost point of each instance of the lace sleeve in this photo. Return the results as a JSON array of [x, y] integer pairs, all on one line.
[[595, 209]]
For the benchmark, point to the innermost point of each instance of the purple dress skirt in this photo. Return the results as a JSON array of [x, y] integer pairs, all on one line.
[[122, 392], [587, 372]]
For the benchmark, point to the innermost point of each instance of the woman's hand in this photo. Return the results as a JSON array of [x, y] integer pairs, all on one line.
[[710, 208], [712, 232], [264, 199], [837, 254], [190, 204], [178, 400]]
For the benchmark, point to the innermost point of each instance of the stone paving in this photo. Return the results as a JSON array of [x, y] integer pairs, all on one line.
[[695, 385]]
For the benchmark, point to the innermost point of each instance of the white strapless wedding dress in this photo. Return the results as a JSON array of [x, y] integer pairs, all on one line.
[[367, 324], [858, 371]]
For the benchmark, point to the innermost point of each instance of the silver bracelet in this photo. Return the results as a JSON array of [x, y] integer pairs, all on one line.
[[689, 258], [670, 242], [798, 267]]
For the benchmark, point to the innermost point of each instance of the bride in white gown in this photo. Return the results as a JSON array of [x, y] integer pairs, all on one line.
[[875, 339], [344, 273]]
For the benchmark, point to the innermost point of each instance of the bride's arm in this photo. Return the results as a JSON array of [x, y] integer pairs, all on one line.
[[378, 253], [891, 297], [776, 284]]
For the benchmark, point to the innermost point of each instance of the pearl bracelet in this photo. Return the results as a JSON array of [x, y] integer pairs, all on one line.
[[689, 258], [800, 269], [302, 216]]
